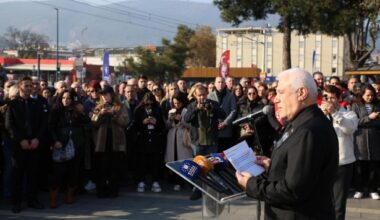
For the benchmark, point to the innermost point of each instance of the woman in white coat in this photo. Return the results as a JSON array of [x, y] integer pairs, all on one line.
[[178, 145]]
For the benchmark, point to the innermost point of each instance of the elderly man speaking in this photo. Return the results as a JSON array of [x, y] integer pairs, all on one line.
[[300, 174]]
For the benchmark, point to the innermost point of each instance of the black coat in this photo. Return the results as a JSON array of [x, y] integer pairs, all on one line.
[[65, 123], [367, 136], [15, 118], [303, 167], [149, 140], [265, 126]]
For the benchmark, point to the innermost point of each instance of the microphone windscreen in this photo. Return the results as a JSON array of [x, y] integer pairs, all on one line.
[[268, 109], [190, 169], [205, 165], [217, 158]]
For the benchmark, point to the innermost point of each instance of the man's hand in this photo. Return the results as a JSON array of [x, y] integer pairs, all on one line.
[[24, 144], [34, 143], [263, 161], [243, 178]]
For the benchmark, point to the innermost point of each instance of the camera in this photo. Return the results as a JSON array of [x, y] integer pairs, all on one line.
[[207, 104]]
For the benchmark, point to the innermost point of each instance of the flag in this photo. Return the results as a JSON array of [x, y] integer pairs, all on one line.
[[224, 65], [106, 67]]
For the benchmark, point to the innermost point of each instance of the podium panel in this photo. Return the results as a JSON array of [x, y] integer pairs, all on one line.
[[213, 202]]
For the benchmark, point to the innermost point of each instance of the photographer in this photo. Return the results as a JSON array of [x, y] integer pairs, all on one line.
[[203, 115]]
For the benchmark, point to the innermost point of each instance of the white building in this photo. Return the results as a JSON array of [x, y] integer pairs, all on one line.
[[263, 47]]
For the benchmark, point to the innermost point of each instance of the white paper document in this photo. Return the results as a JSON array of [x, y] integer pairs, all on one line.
[[242, 158]]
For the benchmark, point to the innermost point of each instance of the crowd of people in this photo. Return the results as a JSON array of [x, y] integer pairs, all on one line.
[[93, 135]]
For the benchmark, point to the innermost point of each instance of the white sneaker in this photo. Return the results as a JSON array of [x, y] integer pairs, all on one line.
[[375, 196], [141, 187], [177, 188], [156, 187], [90, 186], [359, 195]]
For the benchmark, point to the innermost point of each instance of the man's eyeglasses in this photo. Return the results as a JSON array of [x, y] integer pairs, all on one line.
[[251, 93]]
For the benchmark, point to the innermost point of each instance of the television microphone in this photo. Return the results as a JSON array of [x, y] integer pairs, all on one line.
[[265, 110], [221, 168], [207, 169], [192, 171]]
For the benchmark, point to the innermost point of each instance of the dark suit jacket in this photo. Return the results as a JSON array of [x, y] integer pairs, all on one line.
[[303, 167]]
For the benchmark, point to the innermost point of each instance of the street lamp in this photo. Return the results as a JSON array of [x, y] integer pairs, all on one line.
[[39, 53], [58, 70]]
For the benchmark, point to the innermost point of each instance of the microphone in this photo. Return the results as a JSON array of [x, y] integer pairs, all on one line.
[[192, 171], [207, 169], [266, 110], [222, 169]]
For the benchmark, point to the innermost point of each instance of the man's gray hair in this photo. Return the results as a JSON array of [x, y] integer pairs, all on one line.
[[298, 78]]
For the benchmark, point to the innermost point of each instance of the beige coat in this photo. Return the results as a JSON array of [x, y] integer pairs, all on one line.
[[182, 133], [119, 122]]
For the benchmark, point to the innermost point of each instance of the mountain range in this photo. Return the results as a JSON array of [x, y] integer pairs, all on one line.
[[126, 23], [121, 24]]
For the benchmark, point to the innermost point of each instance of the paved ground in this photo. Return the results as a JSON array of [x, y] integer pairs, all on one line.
[[165, 205]]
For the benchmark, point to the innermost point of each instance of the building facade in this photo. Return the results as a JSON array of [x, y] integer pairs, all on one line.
[[262, 48]]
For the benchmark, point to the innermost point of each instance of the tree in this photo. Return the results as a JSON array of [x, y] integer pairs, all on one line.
[[299, 15], [358, 21], [202, 47], [166, 66], [27, 41]]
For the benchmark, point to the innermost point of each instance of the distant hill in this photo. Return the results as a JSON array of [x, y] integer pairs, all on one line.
[[76, 27]]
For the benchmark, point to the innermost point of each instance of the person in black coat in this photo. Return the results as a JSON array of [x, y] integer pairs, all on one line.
[[150, 128], [300, 174], [259, 132], [66, 122], [366, 143], [25, 122]]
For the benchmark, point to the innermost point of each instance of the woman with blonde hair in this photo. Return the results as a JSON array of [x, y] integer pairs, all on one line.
[[111, 118], [190, 95]]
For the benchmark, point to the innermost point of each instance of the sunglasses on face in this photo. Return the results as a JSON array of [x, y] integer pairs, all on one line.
[[251, 93]]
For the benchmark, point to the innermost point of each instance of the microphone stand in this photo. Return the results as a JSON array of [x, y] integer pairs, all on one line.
[[259, 147]]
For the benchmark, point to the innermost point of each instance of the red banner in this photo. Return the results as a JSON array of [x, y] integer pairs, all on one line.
[[224, 65]]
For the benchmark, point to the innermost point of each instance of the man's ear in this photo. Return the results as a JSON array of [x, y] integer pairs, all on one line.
[[302, 94]]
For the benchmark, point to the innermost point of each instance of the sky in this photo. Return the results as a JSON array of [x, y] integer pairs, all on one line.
[[101, 1]]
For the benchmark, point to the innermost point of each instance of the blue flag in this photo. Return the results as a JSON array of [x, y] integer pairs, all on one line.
[[106, 67]]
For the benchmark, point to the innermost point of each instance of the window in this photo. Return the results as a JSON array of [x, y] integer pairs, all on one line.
[[301, 44]]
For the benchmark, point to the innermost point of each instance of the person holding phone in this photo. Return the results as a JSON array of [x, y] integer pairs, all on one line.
[[366, 142]]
